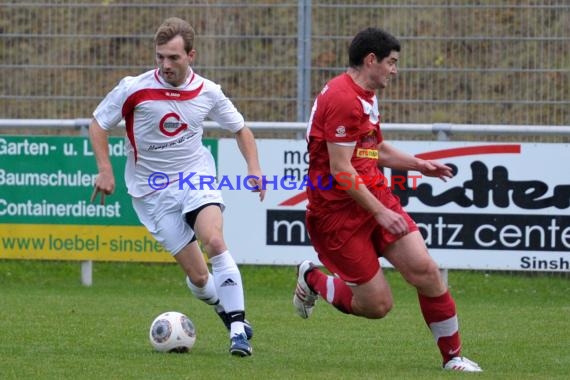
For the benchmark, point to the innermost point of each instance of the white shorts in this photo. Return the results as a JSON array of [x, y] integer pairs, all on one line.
[[163, 213]]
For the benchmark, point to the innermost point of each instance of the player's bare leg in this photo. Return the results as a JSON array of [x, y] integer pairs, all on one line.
[[372, 299], [227, 277], [410, 257]]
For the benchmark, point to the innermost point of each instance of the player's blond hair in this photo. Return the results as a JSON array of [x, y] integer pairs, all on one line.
[[172, 27]]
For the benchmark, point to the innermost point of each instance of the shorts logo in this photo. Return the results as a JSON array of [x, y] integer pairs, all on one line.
[[340, 131]]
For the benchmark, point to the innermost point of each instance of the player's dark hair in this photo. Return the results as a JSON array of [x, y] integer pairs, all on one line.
[[371, 40], [172, 27]]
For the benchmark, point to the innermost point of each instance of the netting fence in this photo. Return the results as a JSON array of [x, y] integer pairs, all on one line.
[[480, 62]]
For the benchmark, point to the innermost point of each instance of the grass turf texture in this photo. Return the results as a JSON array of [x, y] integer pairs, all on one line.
[[515, 326]]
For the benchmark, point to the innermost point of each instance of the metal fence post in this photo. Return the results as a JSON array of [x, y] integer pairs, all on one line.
[[443, 132], [86, 266], [304, 27]]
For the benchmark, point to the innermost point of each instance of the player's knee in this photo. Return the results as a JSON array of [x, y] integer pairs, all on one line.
[[377, 309], [380, 310], [425, 275], [199, 280], [214, 244]]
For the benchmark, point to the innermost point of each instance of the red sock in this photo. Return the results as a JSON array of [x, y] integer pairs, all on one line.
[[439, 314], [332, 289]]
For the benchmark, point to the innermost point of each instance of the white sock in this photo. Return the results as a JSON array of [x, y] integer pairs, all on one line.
[[208, 293], [236, 329], [229, 286]]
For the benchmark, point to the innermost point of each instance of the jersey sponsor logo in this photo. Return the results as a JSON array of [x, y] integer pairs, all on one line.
[[367, 153], [340, 131], [170, 124]]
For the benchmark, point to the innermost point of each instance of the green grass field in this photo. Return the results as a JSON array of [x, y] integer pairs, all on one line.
[[52, 327]]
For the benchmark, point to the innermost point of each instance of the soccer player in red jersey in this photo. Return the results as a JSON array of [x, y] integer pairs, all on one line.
[[352, 225]]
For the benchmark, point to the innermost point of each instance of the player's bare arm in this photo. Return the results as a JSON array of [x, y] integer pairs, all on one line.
[[393, 158], [340, 164], [248, 148], [105, 181]]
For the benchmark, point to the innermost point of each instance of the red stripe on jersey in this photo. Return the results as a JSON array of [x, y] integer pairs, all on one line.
[[148, 94], [158, 94], [129, 123]]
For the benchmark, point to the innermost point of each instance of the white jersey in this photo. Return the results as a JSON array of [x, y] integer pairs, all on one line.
[[165, 126]]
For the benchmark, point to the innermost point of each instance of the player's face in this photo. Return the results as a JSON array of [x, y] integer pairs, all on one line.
[[382, 71], [173, 61]]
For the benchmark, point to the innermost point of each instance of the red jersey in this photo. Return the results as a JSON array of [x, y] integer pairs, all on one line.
[[342, 113]]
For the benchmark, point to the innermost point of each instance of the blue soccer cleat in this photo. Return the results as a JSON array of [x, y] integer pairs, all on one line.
[[239, 346]]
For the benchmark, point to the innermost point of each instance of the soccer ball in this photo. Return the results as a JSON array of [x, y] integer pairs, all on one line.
[[172, 332]]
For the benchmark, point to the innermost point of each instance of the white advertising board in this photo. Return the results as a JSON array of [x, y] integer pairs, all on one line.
[[507, 207]]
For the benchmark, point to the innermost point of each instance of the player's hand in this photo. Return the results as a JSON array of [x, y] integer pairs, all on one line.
[[256, 182], [104, 185], [435, 169], [392, 221]]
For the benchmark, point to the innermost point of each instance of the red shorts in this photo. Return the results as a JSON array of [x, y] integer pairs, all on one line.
[[350, 241]]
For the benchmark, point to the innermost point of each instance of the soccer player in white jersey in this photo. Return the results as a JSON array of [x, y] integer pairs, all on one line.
[[164, 110]]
